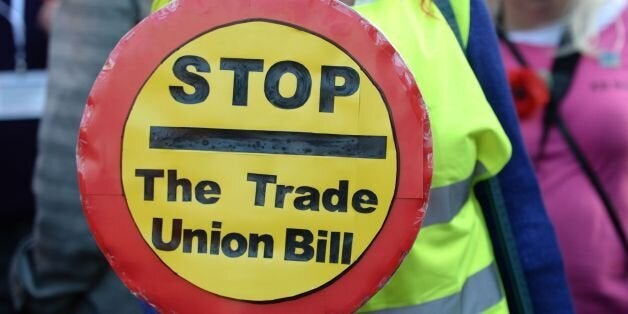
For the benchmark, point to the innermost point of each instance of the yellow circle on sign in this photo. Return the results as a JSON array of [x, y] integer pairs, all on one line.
[[267, 192]]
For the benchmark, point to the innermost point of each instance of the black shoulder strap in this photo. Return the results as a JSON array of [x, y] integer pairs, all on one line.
[[512, 48], [563, 71], [444, 6]]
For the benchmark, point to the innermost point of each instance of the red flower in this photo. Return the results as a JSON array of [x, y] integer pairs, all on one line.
[[529, 91]]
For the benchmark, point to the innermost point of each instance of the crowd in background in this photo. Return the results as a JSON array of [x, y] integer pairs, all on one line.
[[23, 47]]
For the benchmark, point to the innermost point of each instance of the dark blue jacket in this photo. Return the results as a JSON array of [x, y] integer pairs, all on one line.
[[531, 234]]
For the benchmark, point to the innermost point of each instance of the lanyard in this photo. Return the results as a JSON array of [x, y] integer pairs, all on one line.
[[563, 71], [15, 15]]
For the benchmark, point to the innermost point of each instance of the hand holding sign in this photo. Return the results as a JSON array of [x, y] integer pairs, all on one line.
[[255, 158]]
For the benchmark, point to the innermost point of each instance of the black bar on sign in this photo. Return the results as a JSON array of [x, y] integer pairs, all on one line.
[[268, 142]]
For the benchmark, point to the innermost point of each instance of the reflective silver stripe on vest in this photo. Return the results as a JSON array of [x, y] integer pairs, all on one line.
[[446, 202], [481, 292]]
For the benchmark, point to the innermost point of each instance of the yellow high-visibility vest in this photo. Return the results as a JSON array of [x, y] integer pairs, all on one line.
[[451, 267]]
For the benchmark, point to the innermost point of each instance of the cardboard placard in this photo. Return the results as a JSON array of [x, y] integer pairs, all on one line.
[[255, 156]]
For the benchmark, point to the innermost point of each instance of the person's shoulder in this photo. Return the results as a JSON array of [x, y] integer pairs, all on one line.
[[158, 4]]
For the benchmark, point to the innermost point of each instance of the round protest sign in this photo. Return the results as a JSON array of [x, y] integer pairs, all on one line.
[[255, 156]]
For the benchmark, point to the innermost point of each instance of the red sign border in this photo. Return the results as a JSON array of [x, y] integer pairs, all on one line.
[[100, 137]]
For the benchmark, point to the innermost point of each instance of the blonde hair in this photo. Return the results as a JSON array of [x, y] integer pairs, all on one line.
[[582, 23]]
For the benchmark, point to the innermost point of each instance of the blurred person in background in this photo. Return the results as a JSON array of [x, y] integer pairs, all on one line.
[[23, 51], [568, 68], [59, 269], [23, 40]]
